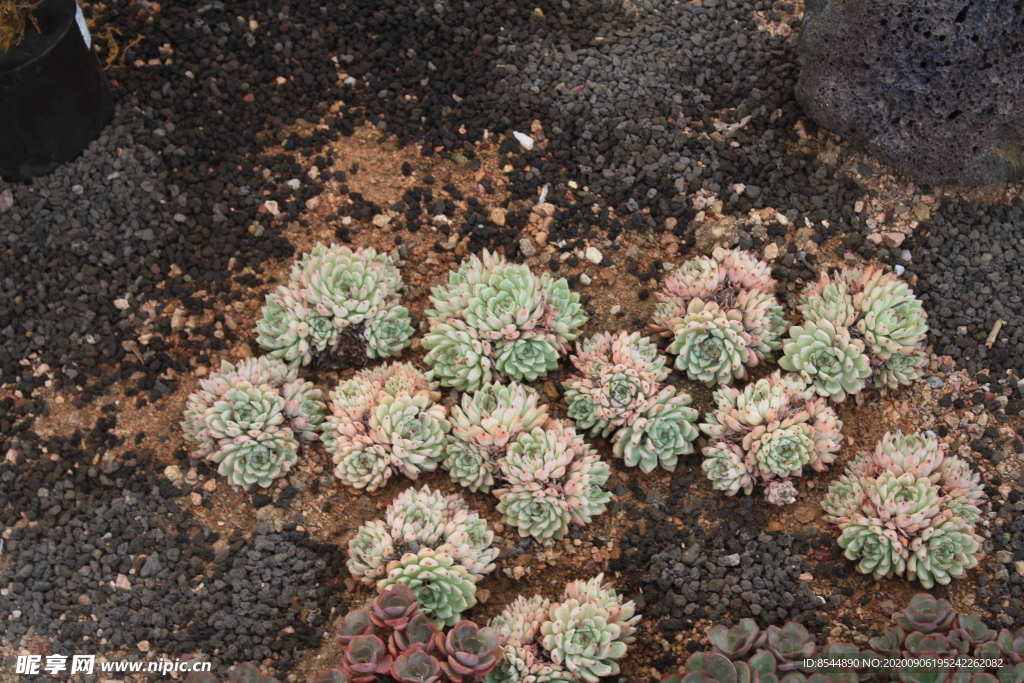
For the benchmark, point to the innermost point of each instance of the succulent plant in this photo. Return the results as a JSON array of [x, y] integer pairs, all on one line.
[[498, 318], [620, 390], [780, 492], [394, 607], [722, 315], [736, 642], [925, 614], [854, 317], [552, 477], [827, 358], [768, 432], [382, 421], [482, 428], [418, 631], [907, 508], [339, 304], [431, 544], [355, 623], [365, 657], [335, 675], [471, 651], [415, 666], [581, 637], [250, 420]]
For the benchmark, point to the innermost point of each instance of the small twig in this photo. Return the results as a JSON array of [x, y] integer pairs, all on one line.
[[994, 333]]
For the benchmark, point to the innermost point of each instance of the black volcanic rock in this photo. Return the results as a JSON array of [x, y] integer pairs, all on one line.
[[935, 88]]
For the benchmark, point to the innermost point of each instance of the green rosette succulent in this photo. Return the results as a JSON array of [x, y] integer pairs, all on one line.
[[873, 308], [660, 434], [552, 477], [580, 637], [723, 315], [430, 538], [724, 464], [826, 358], [495, 317], [443, 589], [767, 432], [388, 332], [710, 345], [457, 357], [483, 425], [536, 511], [944, 551], [385, 420], [527, 358], [333, 291], [780, 492], [907, 509], [620, 374], [247, 460], [249, 419], [519, 623]]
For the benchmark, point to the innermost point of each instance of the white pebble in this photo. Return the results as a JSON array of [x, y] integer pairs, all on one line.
[[294, 184], [899, 269], [593, 255], [615, 310], [585, 279], [525, 140]]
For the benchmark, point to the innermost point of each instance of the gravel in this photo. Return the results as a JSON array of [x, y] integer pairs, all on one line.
[[112, 561], [725, 571]]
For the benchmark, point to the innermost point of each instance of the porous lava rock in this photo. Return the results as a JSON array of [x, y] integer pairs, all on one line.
[[934, 88]]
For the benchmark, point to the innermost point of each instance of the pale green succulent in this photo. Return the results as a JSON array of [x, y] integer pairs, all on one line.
[[826, 358], [878, 309], [660, 434], [620, 375], [381, 420], [246, 460], [443, 589], [536, 511], [944, 551], [249, 419], [331, 290], [519, 623], [482, 428], [582, 638], [907, 509], [768, 431], [497, 317], [432, 543], [552, 477], [723, 315], [780, 492], [527, 358], [710, 345]]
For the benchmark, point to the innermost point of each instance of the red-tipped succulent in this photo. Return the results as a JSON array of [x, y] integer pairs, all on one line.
[[356, 623], [335, 675], [415, 666], [418, 632], [394, 607], [366, 657], [471, 651]]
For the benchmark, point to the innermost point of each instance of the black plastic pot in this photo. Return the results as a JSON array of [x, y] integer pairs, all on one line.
[[54, 96]]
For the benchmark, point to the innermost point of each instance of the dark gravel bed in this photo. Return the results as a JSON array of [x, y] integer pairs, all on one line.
[[109, 561], [723, 570]]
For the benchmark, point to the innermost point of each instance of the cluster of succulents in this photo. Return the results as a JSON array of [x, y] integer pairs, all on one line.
[[928, 636], [766, 433], [746, 653], [548, 475], [498, 318], [339, 307], [908, 509], [430, 542], [580, 638], [395, 639], [382, 421], [620, 389], [860, 326], [721, 314], [251, 419], [416, 650]]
